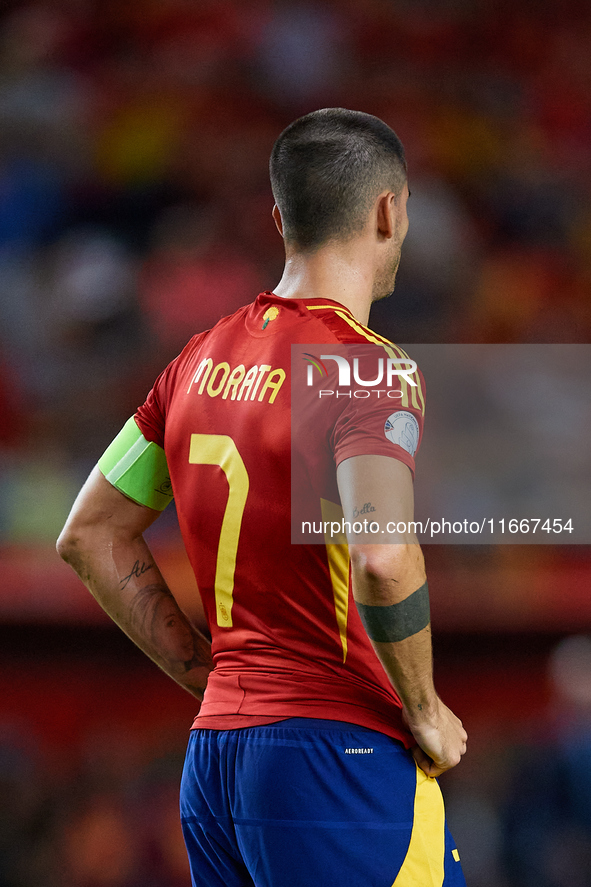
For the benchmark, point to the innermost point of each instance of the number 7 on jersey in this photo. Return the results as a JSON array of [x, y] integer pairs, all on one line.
[[220, 450]]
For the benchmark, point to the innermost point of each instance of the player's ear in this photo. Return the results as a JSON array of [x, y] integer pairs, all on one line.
[[386, 215], [277, 219]]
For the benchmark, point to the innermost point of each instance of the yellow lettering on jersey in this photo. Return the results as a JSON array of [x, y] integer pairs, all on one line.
[[236, 376], [238, 383], [246, 386], [264, 367], [224, 368], [275, 385], [207, 365]]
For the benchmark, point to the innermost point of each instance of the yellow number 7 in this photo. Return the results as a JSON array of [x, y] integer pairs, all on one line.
[[219, 449]]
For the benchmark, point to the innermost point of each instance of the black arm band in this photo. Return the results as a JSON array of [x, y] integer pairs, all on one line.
[[397, 621]]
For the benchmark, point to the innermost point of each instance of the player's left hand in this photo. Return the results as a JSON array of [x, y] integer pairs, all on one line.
[[441, 739]]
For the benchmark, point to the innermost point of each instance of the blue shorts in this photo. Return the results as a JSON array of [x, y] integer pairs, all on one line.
[[312, 803]]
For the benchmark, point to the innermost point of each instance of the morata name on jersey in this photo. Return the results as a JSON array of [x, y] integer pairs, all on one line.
[[238, 383]]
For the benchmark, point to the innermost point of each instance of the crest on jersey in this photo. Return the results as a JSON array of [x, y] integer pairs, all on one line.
[[270, 314], [402, 428]]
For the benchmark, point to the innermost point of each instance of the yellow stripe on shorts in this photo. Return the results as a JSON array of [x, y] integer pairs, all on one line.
[[423, 864]]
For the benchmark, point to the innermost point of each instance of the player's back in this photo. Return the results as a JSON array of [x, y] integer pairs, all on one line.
[[284, 639]]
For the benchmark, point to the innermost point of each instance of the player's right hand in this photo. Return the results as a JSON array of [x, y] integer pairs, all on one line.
[[441, 739]]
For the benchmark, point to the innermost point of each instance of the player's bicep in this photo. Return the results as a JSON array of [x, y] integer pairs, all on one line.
[[378, 507], [102, 514], [377, 497]]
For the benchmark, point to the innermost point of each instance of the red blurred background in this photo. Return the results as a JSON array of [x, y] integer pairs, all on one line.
[[135, 210]]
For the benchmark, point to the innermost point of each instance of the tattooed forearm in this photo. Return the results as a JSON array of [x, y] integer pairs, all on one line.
[[156, 617], [103, 541], [136, 571], [201, 650]]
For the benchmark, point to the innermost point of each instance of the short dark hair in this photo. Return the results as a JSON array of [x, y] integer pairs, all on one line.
[[326, 170]]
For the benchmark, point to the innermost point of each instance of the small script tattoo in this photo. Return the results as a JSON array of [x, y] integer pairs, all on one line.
[[420, 707], [136, 571], [367, 508]]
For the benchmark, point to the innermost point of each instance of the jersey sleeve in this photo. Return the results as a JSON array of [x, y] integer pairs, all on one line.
[[151, 415], [377, 413], [381, 425], [150, 418]]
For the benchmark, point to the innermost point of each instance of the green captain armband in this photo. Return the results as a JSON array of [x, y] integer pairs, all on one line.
[[137, 467]]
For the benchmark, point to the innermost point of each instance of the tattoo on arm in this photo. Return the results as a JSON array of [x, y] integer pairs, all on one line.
[[136, 571], [363, 510], [156, 617]]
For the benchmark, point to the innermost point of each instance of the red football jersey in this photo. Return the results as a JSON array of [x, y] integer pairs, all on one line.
[[286, 636]]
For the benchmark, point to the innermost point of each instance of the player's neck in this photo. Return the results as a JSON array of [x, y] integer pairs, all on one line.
[[329, 273]]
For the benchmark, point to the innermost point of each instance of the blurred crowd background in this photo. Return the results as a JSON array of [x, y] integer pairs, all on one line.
[[135, 210]]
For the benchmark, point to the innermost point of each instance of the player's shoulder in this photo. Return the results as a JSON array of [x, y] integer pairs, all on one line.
[[348, 331], [346, 328], [220, 329]]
